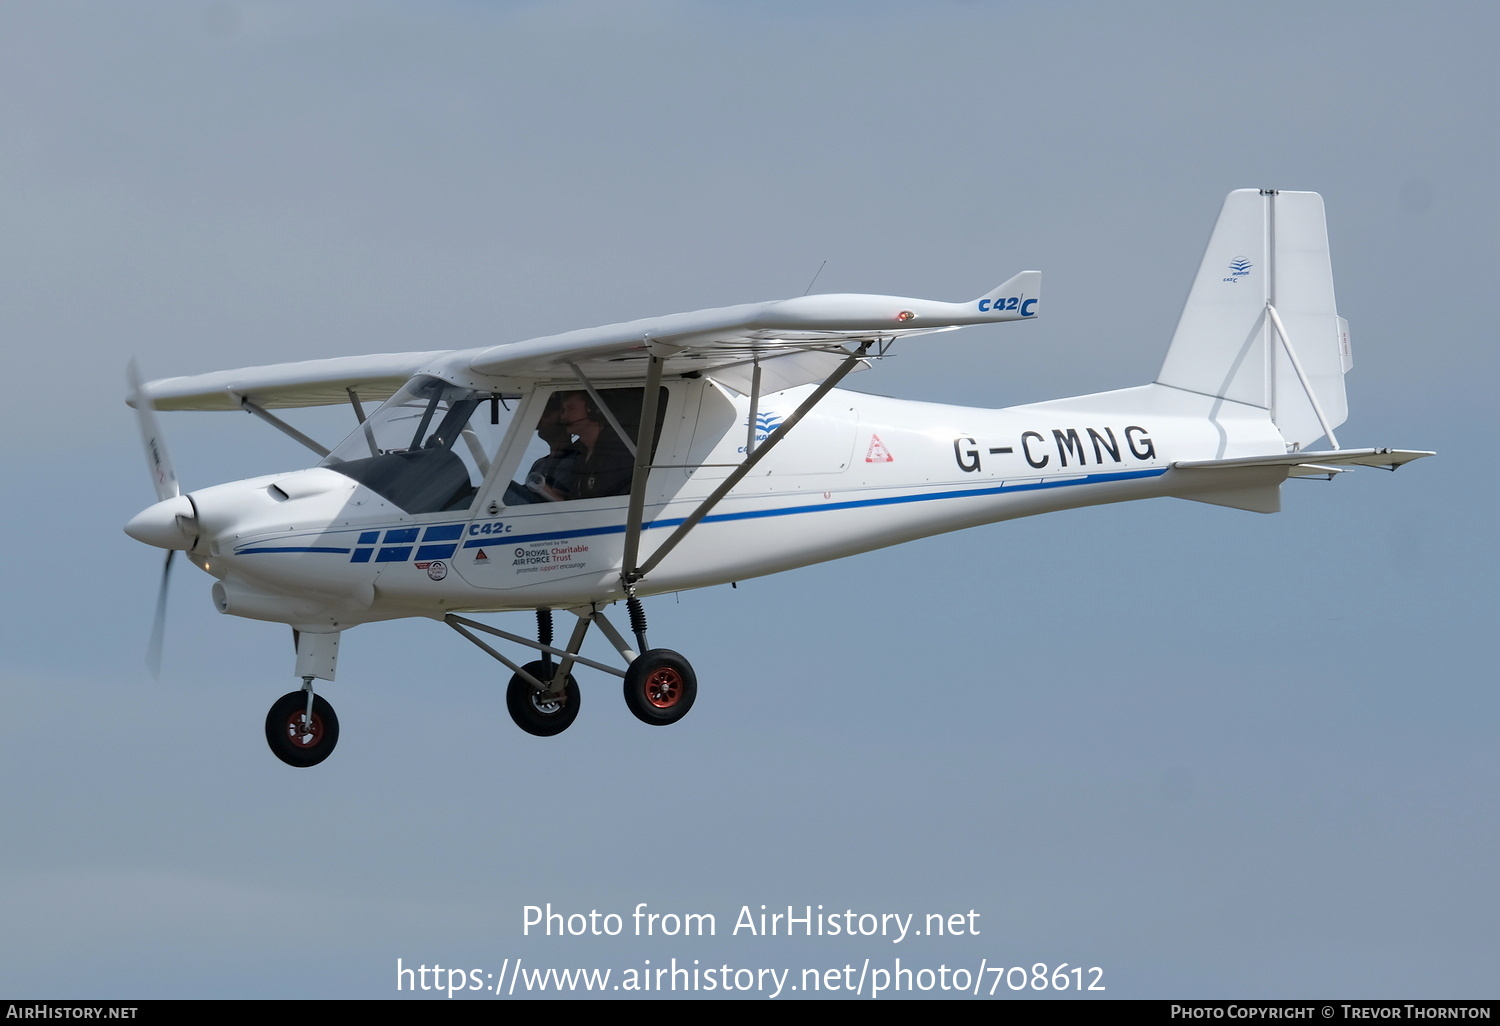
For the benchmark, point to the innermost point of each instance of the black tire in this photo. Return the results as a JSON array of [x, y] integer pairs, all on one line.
[[541, 714], [290, 740], [660, 687]]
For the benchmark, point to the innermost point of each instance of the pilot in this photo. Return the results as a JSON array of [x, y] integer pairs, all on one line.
[[552, 476], [607, 466]]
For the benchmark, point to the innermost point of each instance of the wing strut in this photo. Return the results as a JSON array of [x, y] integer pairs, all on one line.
[[630, 573], [603, 406], [359, 413], [754, 406], [281, 425], [637, 508]]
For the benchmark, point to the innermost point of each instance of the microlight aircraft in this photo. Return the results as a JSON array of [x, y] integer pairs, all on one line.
[[575, 471]]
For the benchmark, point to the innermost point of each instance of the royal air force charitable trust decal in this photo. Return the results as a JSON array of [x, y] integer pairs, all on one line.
[[542, 557]]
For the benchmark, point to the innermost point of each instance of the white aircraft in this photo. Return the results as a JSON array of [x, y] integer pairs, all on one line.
[[574, 471]]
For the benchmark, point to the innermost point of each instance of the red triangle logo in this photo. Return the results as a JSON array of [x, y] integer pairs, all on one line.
[[877, 452]]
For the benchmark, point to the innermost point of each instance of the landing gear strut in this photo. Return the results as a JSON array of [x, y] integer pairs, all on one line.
[[301, 727], [543, 697]]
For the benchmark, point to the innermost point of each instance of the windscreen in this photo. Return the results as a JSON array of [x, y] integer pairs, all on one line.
[[428, 448]]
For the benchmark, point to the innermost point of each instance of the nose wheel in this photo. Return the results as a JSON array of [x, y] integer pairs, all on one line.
[[660, 687], [541, 712], [297, 738]]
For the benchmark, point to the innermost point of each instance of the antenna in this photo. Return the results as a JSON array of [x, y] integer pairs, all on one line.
[[815, 277]]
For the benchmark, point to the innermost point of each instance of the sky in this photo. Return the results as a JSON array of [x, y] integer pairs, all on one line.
[[1212, 753]]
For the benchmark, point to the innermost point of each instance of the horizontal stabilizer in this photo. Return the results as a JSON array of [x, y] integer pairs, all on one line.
[[1254, 482], [1389, 459]]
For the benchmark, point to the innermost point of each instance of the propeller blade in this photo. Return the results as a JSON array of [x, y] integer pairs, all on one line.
[[159, 628], [157, 459]]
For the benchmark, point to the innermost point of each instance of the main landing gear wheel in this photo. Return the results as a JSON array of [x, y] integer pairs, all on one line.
[[538, 712], [660, 687], [295, 740]]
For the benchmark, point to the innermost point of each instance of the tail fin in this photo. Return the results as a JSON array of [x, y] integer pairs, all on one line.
[[1260, 326]]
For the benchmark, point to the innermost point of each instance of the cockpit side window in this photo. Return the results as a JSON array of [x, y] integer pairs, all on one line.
[[576, 452]]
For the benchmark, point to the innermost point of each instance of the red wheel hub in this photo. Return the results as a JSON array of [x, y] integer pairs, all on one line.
[[304, 736], [664, 687]]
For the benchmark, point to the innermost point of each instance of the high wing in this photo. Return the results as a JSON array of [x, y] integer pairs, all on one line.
[[794, 341], [287, 385]]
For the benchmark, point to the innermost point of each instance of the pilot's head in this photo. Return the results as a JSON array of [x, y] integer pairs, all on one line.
[[581, 418]]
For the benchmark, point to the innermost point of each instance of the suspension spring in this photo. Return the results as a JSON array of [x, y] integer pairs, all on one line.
[[637, 618], [544, 632]]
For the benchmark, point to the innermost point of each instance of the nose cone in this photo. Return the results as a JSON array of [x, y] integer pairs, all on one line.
[[170, 524]]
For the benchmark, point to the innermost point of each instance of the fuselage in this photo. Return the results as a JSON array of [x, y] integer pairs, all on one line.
[[319, 549]]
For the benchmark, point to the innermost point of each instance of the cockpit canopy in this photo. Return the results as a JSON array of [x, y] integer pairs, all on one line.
[[424, 449], [428, 449]]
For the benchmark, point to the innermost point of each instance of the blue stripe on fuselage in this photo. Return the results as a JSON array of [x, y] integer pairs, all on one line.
[[752, 514], [823, 507]]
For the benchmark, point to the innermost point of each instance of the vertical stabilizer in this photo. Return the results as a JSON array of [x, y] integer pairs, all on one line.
[[1267, 261]]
